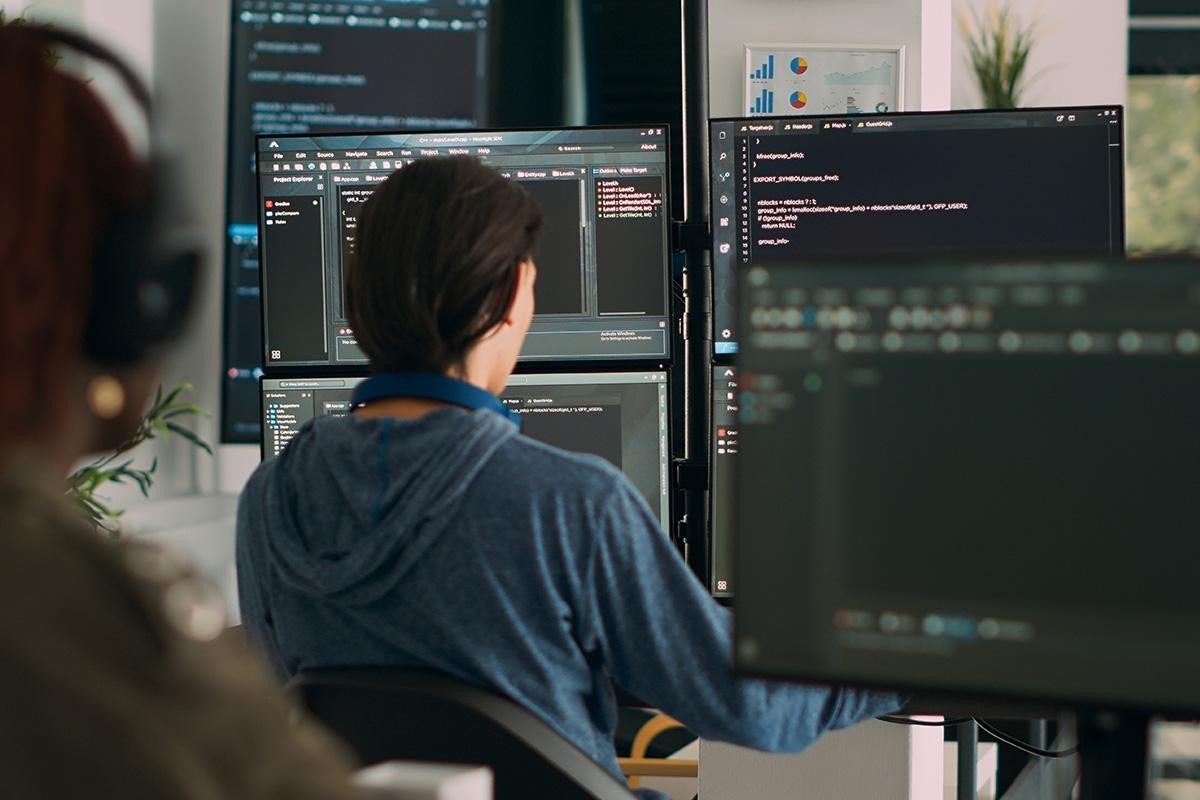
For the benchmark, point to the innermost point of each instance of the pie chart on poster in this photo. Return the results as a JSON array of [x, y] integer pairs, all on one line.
[[799, 100], [799, 65]]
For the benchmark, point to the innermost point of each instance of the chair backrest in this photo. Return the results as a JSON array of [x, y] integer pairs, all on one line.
[[386, 714]]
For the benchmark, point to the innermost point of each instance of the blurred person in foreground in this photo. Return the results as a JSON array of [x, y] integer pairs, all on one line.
[[115, 676]]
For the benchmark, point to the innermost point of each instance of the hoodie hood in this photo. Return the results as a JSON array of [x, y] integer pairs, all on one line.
[[354, 503]]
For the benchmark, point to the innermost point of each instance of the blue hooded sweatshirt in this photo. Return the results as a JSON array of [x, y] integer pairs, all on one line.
[[454, 543]]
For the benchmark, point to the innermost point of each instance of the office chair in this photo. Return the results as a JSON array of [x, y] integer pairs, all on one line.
[[385, 714]]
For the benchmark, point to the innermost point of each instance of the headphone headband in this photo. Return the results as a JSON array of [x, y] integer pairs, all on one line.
[[144, 262], [51, 37]]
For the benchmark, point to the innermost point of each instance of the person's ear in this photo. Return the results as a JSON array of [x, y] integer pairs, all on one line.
[[526, 271]]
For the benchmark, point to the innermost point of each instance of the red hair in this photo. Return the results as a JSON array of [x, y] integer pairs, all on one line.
[[66, 167]]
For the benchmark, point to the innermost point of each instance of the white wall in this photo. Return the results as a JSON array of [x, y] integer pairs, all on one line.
[[937, 36], [1081, 52], [124, 25], [923, 26], [128, 27], [59, 12], [191, 43]]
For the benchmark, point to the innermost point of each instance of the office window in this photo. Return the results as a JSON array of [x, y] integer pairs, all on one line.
[[1164, 163], [1163, 127]]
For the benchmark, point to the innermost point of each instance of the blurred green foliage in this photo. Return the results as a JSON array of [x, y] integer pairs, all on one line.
[[163, 418], [52, 55], [1162, 129], [998, 48]]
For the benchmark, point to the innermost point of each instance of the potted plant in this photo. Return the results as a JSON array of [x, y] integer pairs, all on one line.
[[160, 420], [998, 48]]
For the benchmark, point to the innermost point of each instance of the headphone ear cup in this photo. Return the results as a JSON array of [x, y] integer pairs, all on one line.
[[144, 273], [112, 336]]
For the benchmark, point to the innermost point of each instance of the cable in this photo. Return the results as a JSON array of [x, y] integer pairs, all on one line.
[[1024, 747], [896, 720], [994, 732]]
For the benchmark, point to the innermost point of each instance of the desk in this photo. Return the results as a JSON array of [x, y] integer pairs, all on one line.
[[874, 760]]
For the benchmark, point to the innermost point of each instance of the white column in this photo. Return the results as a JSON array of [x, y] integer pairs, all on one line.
[[937, 37]]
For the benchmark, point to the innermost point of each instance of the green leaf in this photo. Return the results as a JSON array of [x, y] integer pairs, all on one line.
[[190, 436], [161, 419], [998, 48]]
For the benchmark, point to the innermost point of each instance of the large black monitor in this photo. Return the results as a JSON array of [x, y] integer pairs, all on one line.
[[980, 479], [300, 67], [973, 184], [620, 416], [603, 270]]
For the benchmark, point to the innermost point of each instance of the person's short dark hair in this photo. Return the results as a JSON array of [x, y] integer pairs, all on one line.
[[435, 267]]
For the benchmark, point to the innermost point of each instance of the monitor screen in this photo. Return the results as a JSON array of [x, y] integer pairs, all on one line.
[[620, 416], [603, 268], [975, 479], [303, 67], [974, 184]]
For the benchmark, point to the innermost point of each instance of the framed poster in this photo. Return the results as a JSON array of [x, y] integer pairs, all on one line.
[[823, 79]]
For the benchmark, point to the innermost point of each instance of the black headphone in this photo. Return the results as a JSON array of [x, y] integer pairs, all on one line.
[[146, 260]]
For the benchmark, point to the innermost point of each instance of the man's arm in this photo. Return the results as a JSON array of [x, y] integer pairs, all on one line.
[[667, 641]]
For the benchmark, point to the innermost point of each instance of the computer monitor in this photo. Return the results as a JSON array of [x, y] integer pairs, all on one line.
[[980, 479], [305, 67], [620, 416], [603, 268], [973, 184]]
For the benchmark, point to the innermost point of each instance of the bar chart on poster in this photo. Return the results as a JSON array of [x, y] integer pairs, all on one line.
[[823, 79]]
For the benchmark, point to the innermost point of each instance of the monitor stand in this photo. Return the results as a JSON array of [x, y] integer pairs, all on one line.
[[1113, 755]]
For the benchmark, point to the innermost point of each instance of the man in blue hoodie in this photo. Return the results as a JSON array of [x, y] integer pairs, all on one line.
[[424, 531]]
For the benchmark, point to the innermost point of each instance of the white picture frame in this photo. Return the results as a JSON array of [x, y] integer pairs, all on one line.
[[791, 79]]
